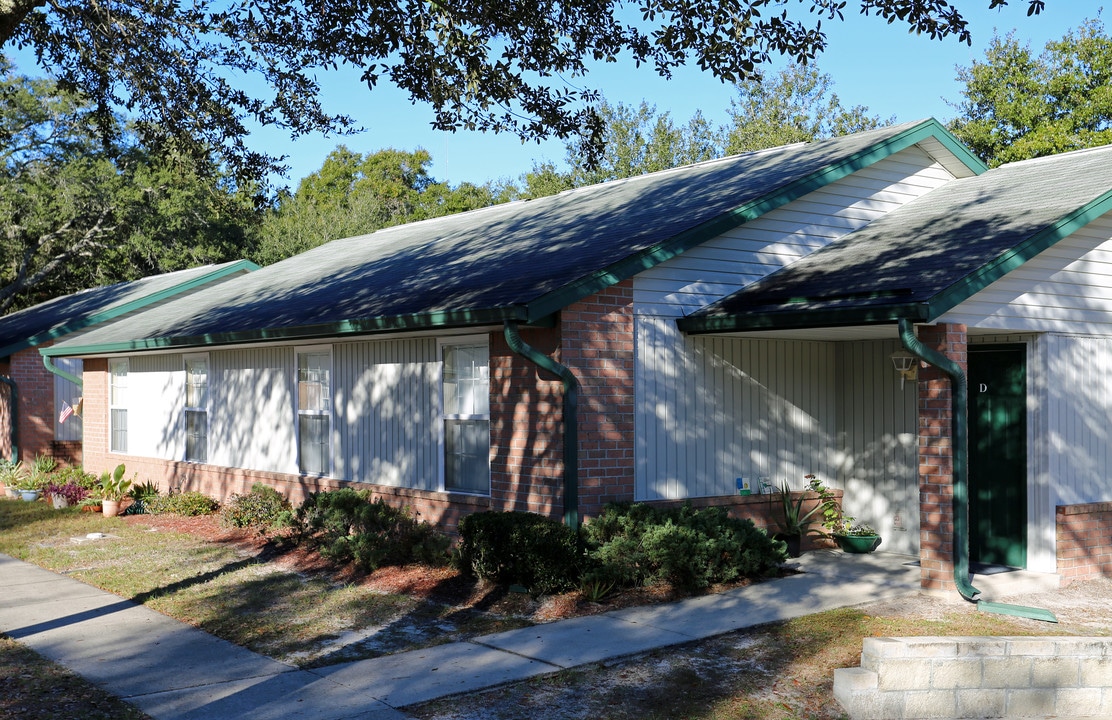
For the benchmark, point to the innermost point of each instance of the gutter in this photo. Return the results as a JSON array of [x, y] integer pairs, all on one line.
[[570, 417], [959, 415], [48, 361], [14, 417]]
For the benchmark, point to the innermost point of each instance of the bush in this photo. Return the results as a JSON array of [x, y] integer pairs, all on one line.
[[692, 549], [182, 503], [527, 549], [143, 494], [76, 476], [347, 526], [264, 508]]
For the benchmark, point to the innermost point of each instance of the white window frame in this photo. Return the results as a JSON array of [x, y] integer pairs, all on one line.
[[117, 402], [303, 412], [445, 417], [202, 409]]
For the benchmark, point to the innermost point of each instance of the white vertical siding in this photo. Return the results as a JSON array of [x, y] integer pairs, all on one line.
[[387, 395], [749, 252], [878, 435], [1066, 289], [251, 420], [710, 410], [155, 393]]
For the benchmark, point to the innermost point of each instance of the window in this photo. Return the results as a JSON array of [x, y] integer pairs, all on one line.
[[467, 418], [196, 409], [67, 423], [314, 411], [117, 406]]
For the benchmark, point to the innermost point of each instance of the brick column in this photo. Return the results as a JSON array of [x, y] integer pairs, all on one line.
[[597, 344], [936, 458]]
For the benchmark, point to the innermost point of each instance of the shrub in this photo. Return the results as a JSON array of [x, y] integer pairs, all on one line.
[[347, 526], [264, 508], [76, 476], [692, 549], [189, 502], [527, 549], [142, 494]]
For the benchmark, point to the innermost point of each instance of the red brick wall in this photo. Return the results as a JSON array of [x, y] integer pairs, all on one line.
[[526, 427], [5, 414], [1084, 541], [36, 411], [936, 467], [597, 344]]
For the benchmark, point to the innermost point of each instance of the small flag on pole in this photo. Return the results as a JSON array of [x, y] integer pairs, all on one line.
[[67, 410]]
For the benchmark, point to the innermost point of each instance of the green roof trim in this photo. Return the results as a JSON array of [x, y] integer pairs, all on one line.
[[674, 246], [803, 319], [116, 311], [445, 319], [1010, 260]]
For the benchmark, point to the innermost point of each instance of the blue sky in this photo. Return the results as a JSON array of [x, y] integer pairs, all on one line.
[[873, 64]]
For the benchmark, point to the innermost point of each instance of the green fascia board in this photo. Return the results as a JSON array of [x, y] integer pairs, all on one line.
[[445, 319], [119, 310], [650, 257], [803, 319], [1012, 259]]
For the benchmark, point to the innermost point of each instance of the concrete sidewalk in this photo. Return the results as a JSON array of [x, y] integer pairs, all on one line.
[[175, 672]]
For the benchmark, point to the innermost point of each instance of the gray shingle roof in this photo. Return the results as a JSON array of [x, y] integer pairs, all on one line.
[[929, 255], [63, 315], [520, 260]]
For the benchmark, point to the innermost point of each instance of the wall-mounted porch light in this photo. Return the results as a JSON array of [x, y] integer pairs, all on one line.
[[905, 365]]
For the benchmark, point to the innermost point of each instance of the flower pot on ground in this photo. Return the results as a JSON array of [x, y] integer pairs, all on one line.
[[795, 524], [113, 489], [29, 495], [59, 502], [66, 494], [856, 538]]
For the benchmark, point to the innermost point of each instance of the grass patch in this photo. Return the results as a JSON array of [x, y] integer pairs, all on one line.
[[236, 595]]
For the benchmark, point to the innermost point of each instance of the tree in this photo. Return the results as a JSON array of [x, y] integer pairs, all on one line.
[[76, 213], [1021, 106], [182, 69], [796, 104], [354, 194]]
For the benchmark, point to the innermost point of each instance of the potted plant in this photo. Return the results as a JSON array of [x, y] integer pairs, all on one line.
[[65, 495], [855, 537], [10, 474], [796, 524], [113, 489]]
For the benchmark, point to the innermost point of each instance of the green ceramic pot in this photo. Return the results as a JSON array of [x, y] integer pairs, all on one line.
[[857, 543]]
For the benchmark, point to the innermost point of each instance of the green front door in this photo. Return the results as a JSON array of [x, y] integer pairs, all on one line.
[[998, 455]]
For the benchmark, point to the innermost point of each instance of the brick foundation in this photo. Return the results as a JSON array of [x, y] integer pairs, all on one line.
[[936, 458], [1083, 535]]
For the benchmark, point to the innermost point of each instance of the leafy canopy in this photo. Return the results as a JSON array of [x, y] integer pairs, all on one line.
[[1019, 105], [183, 69]]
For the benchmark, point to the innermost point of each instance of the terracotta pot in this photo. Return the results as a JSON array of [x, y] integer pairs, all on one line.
[[110, 508]]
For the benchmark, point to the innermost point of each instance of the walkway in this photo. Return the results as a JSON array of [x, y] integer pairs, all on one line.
[[175, 672]]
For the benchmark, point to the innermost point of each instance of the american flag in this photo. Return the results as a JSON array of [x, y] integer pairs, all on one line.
[[67, 410]]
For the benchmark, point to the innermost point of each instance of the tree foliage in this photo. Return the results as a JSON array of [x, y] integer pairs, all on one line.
[[796, 104], [354, 194], [78, 213], [183, 69], [1018, 105]]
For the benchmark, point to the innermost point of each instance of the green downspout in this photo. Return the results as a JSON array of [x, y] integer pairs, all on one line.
[[14, 417], [49, 363], [959, 410], [570, 417]]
